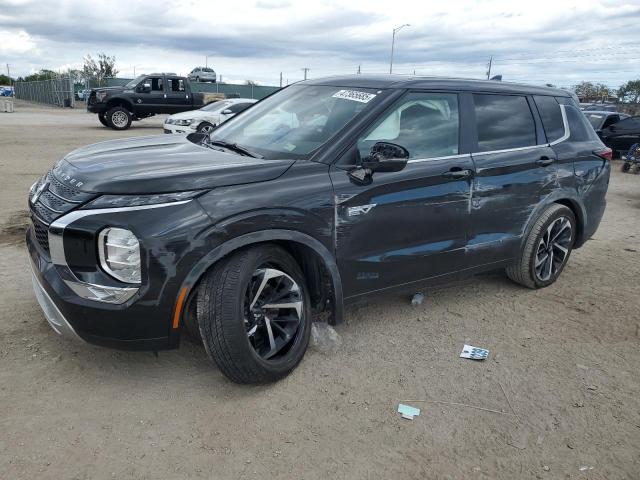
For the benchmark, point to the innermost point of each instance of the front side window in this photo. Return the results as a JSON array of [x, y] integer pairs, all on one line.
[[551, 116], [503, 122], [298, 120], [426, 124], [238, 107], [156, 84]]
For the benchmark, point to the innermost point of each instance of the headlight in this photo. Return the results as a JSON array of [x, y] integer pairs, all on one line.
[[119, 201], [183, 123], [119, 252]]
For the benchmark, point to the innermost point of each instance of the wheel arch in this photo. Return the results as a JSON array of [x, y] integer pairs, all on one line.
[[119, 102], [316, 261], [569, 200]]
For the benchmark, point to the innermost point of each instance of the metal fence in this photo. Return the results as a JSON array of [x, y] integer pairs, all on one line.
[[55, 91], [243, 91]]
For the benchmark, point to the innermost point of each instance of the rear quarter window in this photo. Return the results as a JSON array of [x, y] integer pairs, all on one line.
[[551, 116], [503, 122], [579, 127]]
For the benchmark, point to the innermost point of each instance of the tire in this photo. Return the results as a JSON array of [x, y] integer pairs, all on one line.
[[119, 118], [235, 335], [103, 119], [626, 166], [552, 222], [206, 127]]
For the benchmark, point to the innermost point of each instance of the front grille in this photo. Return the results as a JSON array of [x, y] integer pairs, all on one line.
[[56, 200], [42, 234]]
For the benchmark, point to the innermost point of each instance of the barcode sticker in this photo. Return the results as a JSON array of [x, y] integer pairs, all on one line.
[[355, 95]]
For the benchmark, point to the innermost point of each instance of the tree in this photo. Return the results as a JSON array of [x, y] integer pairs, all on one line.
[[630, 91], [98, 71], [43, 74], [4, 80], [251, 82], [585, 90]]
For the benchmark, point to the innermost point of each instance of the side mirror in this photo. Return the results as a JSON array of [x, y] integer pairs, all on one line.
[[386, 157], [226, 112]]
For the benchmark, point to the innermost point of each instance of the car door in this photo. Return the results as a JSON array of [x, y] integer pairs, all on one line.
[[515, 169], [177, 95], [150, 95], [410, 225], [620, 136]]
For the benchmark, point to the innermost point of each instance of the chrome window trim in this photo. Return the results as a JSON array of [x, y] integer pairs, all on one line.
[[446, 157], [565, 122], [118, 295], [507, 150]]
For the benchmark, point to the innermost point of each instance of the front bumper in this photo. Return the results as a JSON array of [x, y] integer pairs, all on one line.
[[69, 290], [96, 107], [171, 128]]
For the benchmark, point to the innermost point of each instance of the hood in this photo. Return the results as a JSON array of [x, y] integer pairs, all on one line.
[[160, 164], [108, 89], [188, 115]]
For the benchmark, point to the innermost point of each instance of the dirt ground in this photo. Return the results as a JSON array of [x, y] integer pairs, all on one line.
[[559, 396]]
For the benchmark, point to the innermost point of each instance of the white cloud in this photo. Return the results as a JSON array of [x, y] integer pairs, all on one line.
[[15, 42]]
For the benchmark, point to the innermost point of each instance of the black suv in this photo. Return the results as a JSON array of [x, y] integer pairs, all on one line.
[[320, 195]]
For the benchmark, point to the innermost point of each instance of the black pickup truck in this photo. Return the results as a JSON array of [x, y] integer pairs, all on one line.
[[143, 97]]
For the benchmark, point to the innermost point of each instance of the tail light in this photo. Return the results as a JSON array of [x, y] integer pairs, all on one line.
[[604, 153]]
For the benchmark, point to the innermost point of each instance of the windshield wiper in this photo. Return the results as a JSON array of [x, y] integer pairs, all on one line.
[[235, 147]]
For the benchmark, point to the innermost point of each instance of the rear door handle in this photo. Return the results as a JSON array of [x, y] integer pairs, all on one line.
[[458, 174], [544, 161]]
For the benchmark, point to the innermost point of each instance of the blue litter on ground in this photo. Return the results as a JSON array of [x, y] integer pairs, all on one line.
[[407, 411]]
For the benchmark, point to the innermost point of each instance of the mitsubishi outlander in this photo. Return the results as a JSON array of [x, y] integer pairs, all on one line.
[[325, 193]]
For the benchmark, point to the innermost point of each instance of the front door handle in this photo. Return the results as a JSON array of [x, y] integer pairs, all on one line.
[[458, 173], [544, 161]]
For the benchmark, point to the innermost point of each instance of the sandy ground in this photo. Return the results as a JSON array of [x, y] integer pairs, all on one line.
[[559, 396]]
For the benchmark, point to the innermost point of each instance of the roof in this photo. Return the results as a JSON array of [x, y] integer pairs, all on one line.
[[602, 112], [461, 84]]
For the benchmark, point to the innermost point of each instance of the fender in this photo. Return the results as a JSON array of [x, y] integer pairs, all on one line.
[[264, 236], [559, 196], [125, 102]]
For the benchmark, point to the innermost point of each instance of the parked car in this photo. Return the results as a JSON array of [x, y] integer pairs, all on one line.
[[328, 192], [143, 97], [601, 107], [83, 94], [202, 74], [207, 118], [603, 119], [6, 92], [622, 135]]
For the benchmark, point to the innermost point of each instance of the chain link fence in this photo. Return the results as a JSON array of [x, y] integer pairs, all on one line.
[[55, 91]]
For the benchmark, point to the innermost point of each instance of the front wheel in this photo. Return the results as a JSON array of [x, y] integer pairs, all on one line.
[[254, 314], [206, 127], [626, 166], [119, 118], [547, 248]]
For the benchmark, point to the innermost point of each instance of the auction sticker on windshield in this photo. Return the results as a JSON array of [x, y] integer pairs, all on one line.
[[354, 95]]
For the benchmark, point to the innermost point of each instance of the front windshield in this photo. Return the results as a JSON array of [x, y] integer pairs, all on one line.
[[134, 82], [296, 121], [212, 107]]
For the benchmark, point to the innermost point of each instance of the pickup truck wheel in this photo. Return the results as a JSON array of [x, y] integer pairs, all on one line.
[[103, 119], [546, 249], [206, 127], [119, 118], [254, 314]]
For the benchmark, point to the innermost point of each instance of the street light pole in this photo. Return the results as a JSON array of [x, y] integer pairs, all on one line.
[[134, 69], [206, 59], [393, 41]]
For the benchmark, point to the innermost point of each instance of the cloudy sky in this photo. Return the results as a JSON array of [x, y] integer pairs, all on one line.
[[559, 41]]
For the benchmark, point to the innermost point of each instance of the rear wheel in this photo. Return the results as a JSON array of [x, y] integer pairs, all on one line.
[[119, 118], [103, 119], [546, 249], [254, 314]]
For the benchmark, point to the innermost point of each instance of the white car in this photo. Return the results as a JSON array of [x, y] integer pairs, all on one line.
[[208, 117]]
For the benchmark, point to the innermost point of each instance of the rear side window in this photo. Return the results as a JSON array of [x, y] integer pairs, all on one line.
[[551, 115], [503, 121], [579, 127]]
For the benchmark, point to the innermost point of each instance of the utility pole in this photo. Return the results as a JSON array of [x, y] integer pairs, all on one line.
[[489, 67], [305, 70], [393, 41], [358, 70], [280, 79], [9, 75]]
